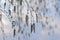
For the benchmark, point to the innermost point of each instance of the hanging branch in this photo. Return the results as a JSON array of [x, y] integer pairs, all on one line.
[[19, 30], [0, 17], [36, 18], [12, 2], [14, 8], [4, 5], [27, 19], [20, 2], [13, 24], [14, 32], [9, 12], [33, 27]]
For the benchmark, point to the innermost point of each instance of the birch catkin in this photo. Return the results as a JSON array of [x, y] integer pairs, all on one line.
[[14, 32]]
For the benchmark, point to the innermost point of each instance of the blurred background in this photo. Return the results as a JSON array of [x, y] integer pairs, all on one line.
[[29, 19]]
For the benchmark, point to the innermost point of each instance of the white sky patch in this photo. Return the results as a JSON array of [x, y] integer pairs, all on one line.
[[6, 30], [5, 20], [57, 30], [6, 24], [44, 33], [52, 21]]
